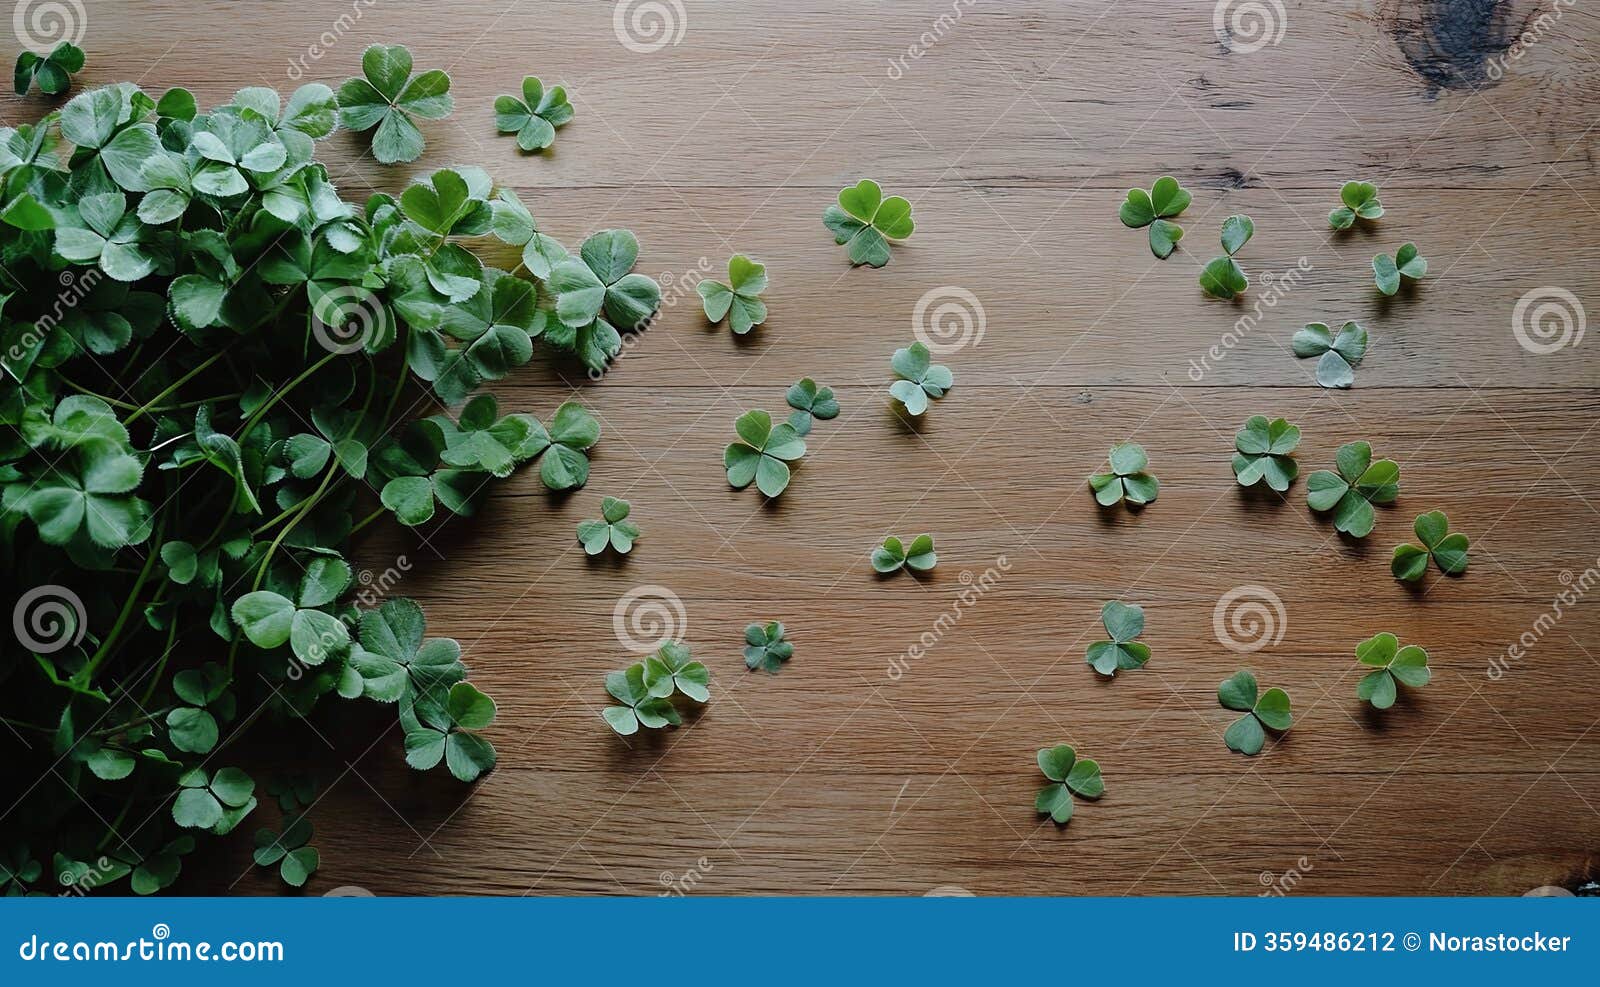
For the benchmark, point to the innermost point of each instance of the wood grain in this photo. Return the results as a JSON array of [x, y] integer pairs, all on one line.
[[1015, 136]]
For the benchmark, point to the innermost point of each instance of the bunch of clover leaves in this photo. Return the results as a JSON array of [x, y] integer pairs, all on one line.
[[214, 372]]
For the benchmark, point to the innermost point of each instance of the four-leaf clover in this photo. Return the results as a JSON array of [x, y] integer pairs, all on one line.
[[1387, 271], [1068, 774], [739, 300], [612, 528], [867, 222], [1391, 663], [1124, 622], [762, 454], [1262, 712], [389, 97], [1351, 492], [893, 555], [1128, 478], [810, 401], [765, 648], [1264, 453], [1155, 209], [1360, 202], [1448, 550], [535, 117], [920, 378], [1222, 276], [1339, 354]]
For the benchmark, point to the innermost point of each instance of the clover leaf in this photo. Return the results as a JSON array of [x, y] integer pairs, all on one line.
[[1391, 663], [1448, 550], [1128, 478], [193, 727], [739, 300], [515, 225], [762, 454], [1222, 277], [397, 663], [867, 221], [1270, 711], [1124, 622], [920, 378], [1387, 271], [296, 861], [111, 236], [765, 647], [671, 670], [213, 801], [53, 72], [85, 500], [597, 282], [1154, 209], [893, 555], [1360, 202], [810, 401], [639, 707], [18, 869], [270, 620], [612, 528], [389, 98], [1264, 452], [1339, 354], [1068, 775], [435, 733], [535, 117], [479, 441], [1351, 492]]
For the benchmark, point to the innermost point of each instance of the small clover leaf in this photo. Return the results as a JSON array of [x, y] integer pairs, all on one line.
[[515, 225], [389, 97], [1391, 663], [213, 801], [1387, 271], [1351, 492], [1068, 775], [920, 378], [612, 528], [1222, 276], [535, 117], [639, 708], [1447, 549], [765, 647], [867, 221], [1264, 452], [893, 555], [762, 454], [671, 669], [53, 72], [1155, 209], [1128, 479], [1268, 711], [595, 295], [810, 401], [1124, 622], [1339, 354], [296, 861], [739, 300], [1360, 202], [436, 733]]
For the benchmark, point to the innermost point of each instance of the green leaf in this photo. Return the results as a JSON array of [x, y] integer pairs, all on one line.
[[265, 617], [1238, 691], [867, 222], [1236, 232]]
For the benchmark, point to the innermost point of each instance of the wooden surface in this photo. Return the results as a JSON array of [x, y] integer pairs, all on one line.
[[1015, 136]]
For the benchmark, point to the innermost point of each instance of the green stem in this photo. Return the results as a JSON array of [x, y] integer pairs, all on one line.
[[104, 651], [268, 405], [207, 362], [95, 394], [368, 520]]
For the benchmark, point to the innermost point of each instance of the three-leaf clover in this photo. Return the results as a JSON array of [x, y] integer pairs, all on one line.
[[270, 620], [389, 97], [436, 732], [867, 222], [111, 236], [1387, 271], [1154, 209], [1262, 712], [810, 401], [1128, 478], [213, 801], [1351, 492], [612, 528], [1222, 276], [640, 707], [920, 378], [1264, 451], [53, 72], [596, 292], [765, 648], [1408, 665], [1068, 775], [535, 117], [1339, 354], [1124, 622], [762, 454], [739, 300], [193, 727], [672, 669], [296, 861], [1448, 550], [1360, 202], [893, 555]]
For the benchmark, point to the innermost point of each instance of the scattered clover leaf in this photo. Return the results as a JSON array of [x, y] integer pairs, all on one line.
[[1448, 550], [893, 555], [18, 869], [1387, 271], [436, 732], [1124, 622], [388, 97], [612, 528], [920, 378], [1270, 711], [293, 791], [867, 221], [1155, 209], [1222, 277], [762, 454], [296, 861], [535, 117], [1351, 492], [671, 669], [1360, 202], [640, 708], [213, 801], [765, 648], [810, 401], [739, 300], [1068, 775], [1407, 665], [1339, 354], [1264, 452], [1128, 478], [53, 72]]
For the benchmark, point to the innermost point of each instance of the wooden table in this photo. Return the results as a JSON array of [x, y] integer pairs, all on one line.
[[1015, 133]]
